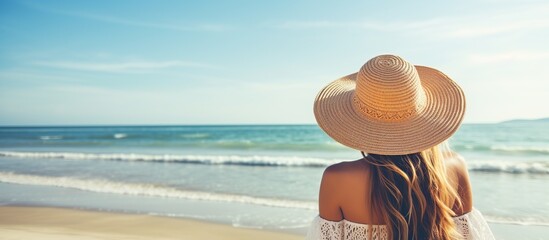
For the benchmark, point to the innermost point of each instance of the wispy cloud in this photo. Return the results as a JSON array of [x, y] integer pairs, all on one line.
[[488, 23], [359, 24], [120, 66], [527, 18], [210, 27], [23, 75], [508, 57]]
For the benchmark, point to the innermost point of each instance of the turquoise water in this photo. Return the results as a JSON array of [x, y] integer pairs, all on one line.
[[248, 176]]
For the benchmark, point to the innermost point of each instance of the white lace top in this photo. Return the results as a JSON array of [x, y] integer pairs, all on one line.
[[472, 226]]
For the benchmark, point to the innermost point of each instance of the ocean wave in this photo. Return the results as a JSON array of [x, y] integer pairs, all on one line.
[[518, 220], [120, 135], [175, 158], [150, 190], [195, 135], [514, 167], [509, 167], [180, 141], [521, 149], [504, 149], [55, 137]]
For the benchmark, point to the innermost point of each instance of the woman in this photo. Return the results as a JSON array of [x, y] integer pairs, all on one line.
[[406, 186]]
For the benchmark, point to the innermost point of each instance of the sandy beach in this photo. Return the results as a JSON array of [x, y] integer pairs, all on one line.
[[57, 223], [44, 223]]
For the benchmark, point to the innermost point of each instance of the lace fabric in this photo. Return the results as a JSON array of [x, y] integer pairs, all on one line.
[[472, 226]]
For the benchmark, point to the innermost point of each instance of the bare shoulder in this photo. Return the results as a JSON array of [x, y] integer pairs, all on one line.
[[457, 167], [345, 169], [332, 191]]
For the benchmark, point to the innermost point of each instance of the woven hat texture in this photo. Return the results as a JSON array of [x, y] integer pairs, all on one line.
[[390, 107]]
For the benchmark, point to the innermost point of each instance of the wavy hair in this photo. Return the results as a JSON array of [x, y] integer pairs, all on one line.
[[412, 195]]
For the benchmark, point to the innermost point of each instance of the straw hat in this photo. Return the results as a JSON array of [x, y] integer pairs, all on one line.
[[390, 107]]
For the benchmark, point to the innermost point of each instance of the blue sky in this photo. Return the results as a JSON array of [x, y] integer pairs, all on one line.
[[255, 62]]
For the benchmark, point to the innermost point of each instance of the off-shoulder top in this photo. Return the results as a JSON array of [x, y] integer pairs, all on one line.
[[472, 226]]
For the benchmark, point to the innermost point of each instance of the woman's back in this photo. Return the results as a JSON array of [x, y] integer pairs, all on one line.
[[345, 190]]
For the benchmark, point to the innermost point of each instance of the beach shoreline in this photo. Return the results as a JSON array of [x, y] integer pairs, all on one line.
[[48, 223], [34, 222]]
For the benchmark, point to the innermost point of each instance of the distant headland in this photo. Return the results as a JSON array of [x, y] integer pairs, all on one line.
[[539, 120]]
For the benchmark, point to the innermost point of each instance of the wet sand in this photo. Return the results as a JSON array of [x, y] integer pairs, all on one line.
[[48, 223]]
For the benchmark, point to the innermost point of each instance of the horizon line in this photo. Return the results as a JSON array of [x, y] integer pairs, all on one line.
[[204, 124]]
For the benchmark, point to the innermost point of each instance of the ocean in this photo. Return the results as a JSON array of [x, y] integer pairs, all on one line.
[[252, 176]]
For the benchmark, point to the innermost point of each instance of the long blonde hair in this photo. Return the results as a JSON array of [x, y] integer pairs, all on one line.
[[412, 195]]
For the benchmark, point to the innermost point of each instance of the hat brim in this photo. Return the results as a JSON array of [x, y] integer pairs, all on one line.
[[436, 122]]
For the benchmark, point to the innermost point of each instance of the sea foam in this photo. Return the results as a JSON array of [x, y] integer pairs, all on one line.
[[530, 167], [519, 220], [252, 160], [55, 137], [151, 190], [509, 167], [120, 135], [505, 149], [521, 149]]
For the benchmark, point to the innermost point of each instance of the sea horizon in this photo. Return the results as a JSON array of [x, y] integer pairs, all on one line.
[[229, 124]]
